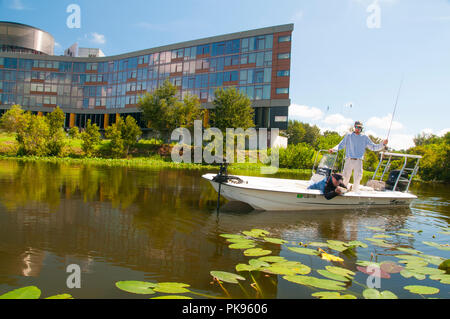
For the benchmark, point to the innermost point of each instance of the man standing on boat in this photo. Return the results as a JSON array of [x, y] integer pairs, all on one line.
[[355, 145]]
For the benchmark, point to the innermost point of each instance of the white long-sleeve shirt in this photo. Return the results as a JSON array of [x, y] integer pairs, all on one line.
[[355, 145]]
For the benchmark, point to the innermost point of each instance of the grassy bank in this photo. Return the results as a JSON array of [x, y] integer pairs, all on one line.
[[147, 154]]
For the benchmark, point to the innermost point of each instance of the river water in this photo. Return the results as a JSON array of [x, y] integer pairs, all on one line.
[[162, 226]]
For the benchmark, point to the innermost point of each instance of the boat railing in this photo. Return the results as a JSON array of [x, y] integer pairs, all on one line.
[[385, 163]]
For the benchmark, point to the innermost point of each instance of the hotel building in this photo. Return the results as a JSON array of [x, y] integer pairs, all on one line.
[[101, 88]]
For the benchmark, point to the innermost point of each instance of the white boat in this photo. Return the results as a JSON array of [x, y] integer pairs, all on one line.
[[274, 194]]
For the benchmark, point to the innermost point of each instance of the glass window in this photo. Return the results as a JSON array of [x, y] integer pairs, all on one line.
[[268, 58], [244, 46], [269, 41], [203, 49], [244, 59], [282, 90], [285, 38], [267, 75], [259, 76], [250, 92], [243, 77], [283, 56], [266, 92], [218, 48], [283, 73], [258, 92], [260, 59]]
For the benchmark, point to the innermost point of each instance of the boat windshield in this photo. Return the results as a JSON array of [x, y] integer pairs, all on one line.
[[328, 161]]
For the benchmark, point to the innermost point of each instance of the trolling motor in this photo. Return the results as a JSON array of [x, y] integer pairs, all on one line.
[[223, 177]]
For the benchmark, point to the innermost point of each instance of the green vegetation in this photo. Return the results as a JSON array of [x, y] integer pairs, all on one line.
[[163, 111], [33, 135]]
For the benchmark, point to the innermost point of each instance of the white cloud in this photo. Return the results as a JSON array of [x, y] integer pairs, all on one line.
[[302, 112], [338, 119], [97, 38], [383, 123], [401, 141]]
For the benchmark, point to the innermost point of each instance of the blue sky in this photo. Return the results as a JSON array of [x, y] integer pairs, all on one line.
[[337, 60]]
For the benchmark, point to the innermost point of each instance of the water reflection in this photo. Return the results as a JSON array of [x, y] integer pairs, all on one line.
[[136, 224]]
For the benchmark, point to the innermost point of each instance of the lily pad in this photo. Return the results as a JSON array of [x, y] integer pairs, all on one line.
[[226, 276], [245, 267], [426, 270], [136, 287], [409, 250], [272, 259], [434, 260], [316, 282], [422, 290], [404, 235], [374, 271], [280, 269], [258, 263], [30, 292], [366, 263], [372, 293], [443, 278], [332, 295], [61, 296], [408, 274], [340, 271], [254, 252], [275, 240], [391, 267], [375, 228], [318, 244], [172, 297], [256, 233], [381, 236], [436, 245], [411, 230], [332, 276], [241, 246], [306, 251], [358, 243], [240, 241], [232, 236], [171, 287]]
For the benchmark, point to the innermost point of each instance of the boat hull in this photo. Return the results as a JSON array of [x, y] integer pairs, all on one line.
[[294, 196]]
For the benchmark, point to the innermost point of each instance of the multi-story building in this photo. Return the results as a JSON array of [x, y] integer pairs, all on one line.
[[257, 62]]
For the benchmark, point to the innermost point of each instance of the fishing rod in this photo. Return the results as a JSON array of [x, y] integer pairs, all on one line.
[[395, 107]]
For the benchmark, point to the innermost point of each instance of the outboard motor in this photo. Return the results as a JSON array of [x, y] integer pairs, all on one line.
[[402, 183]]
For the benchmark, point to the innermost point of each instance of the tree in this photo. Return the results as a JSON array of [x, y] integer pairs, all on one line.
[[32, 135], [74, 132], [11, 119], [56, 137], [157, 106], [130, 133], [91, 137], [232, 110], [296, 132], [123, 136], [116, 142]]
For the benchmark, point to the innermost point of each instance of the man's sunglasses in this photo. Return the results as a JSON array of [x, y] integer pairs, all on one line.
[[359, 127]]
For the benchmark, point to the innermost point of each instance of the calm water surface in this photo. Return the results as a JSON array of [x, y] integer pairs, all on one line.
[[161, 225]]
